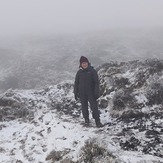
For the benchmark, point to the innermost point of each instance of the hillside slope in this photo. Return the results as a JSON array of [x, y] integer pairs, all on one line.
[[45, 125]]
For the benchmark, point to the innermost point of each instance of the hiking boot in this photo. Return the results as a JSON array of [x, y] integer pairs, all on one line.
[[99, 124], [87, 122]]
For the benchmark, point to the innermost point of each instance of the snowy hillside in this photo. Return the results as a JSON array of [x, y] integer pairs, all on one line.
[[45, 125], [34, 62]]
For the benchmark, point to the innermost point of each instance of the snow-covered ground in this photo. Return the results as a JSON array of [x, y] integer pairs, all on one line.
[[24, 141], [32, 142], [45, 125]]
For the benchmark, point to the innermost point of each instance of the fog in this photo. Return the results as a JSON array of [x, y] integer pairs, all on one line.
[[26, 17], [41, 41]]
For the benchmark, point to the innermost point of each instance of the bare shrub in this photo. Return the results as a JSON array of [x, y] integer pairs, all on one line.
[[154, 93], [122, 99], [54, 155], [121, 82], [91, 152], [57, 155]]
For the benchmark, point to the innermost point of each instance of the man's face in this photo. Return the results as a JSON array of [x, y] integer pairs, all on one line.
[[84, 65]]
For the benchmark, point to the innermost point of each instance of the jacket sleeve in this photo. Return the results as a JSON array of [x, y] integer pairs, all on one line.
[[96, 84], [76, 84]]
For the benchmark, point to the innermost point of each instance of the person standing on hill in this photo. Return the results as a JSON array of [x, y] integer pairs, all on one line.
[[86, 88]]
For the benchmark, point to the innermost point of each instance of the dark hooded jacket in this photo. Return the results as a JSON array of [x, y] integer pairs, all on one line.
[[86, 83]]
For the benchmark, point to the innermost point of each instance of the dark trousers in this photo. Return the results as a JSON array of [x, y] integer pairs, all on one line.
[[93, 105]]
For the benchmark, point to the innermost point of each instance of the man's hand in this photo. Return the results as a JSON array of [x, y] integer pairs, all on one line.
[[76, 97], [96, 96]]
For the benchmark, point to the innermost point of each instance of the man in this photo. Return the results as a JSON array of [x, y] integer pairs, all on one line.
[[86, 88]]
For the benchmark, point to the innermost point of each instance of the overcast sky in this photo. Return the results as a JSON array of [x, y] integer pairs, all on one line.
[[52, 16]]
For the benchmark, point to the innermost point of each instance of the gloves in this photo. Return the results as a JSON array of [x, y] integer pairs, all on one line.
[[96, 96], [96, 93], [76, 97]]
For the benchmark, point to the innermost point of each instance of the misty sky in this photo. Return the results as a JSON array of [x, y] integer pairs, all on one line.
[[53, 16]]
